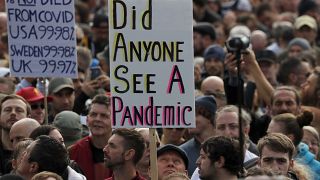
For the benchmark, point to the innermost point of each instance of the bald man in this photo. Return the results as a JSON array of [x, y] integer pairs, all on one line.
[[22, 129], [213, 85], [259, 40]]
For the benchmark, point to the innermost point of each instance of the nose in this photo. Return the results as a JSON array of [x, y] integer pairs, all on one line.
[[198, 162]]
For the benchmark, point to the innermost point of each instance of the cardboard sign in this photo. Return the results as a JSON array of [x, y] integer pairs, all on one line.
[[151, 60], [42, 38]]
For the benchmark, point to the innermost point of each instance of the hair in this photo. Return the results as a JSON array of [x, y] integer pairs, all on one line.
[[42, 130], [245, 116], [20, 147], [292, 124], [258, 171], [287, 88], [313, 132], [14, 96], [45, 174], [132, 140], [290, 65], [101, 99], [50, 155], [262, 8], [226, 147], [276, 142], [175, 175]]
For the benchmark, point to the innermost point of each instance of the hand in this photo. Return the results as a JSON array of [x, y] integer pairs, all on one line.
[[104, 82], [89, 87]]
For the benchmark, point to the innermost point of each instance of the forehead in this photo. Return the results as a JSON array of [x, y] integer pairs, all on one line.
[[115, 139], [268, 152], [171, 154], [97, 106], [227, 117], [14, 102], [284, 95]]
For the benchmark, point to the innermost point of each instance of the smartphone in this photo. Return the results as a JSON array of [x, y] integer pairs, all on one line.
[[95, 72]]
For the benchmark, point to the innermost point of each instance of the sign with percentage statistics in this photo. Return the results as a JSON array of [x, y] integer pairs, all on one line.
[[42, 38]]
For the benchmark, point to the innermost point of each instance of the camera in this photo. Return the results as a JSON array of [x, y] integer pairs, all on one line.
[[238, 43]]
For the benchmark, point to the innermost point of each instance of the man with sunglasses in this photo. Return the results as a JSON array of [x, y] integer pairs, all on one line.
[[36, 100]]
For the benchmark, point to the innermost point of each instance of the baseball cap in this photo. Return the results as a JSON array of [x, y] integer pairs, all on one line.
[[207, 102], [214, 51], [170, 147], [31, 94], [305, 20], [266, 55], [59, 83], [68, 122]]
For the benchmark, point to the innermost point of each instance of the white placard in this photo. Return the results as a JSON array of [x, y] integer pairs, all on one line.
[[151, 56], [42, 40]]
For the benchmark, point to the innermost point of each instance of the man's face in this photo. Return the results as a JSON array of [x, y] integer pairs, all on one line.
[[12, 111], [206, 168], [269, 70], [114, 152], [284, 101], [308, 89], [63, 100], [276, 161], [202, 123], [25, 168], [99, 120], [17, 134], [197, 44], [173, 135], [37, 111], [213, 67], [170, 162], [307, 33], [227, 124]]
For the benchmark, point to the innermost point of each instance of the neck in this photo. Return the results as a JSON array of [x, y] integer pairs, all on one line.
[[5, 140], [100, 141], [124, 172], [204, 135]]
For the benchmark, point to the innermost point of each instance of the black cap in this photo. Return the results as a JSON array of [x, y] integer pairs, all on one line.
[[266, 55], [170, 147], [208, 102], [205, 28]]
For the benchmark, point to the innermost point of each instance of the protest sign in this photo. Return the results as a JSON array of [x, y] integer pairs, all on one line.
[[151, 60], [42, 40]]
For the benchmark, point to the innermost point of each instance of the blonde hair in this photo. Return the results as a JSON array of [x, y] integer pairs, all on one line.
[[313, 131], [46, 174], [183, 176]]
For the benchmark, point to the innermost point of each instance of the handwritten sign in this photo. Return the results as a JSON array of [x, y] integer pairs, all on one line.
[[151, 55], [42, 38]]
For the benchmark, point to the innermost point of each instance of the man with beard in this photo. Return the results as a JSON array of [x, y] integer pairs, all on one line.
[[285, 99], [88, 152], [12, 109], [213, 61], [219, 159], [61, 90], [122, 153]]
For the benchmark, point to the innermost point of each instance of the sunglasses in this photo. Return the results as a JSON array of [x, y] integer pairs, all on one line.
[[36, 106]]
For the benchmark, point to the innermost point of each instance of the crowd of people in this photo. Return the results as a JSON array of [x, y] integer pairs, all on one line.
[[256, 102]]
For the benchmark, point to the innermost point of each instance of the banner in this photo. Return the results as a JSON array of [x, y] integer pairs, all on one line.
[[151, 60], [42, 38]]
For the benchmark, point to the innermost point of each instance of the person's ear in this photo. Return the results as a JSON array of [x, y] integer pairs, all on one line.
[[291, 164], [129, 154], [14, 164], [220, 162], [34, 167]]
